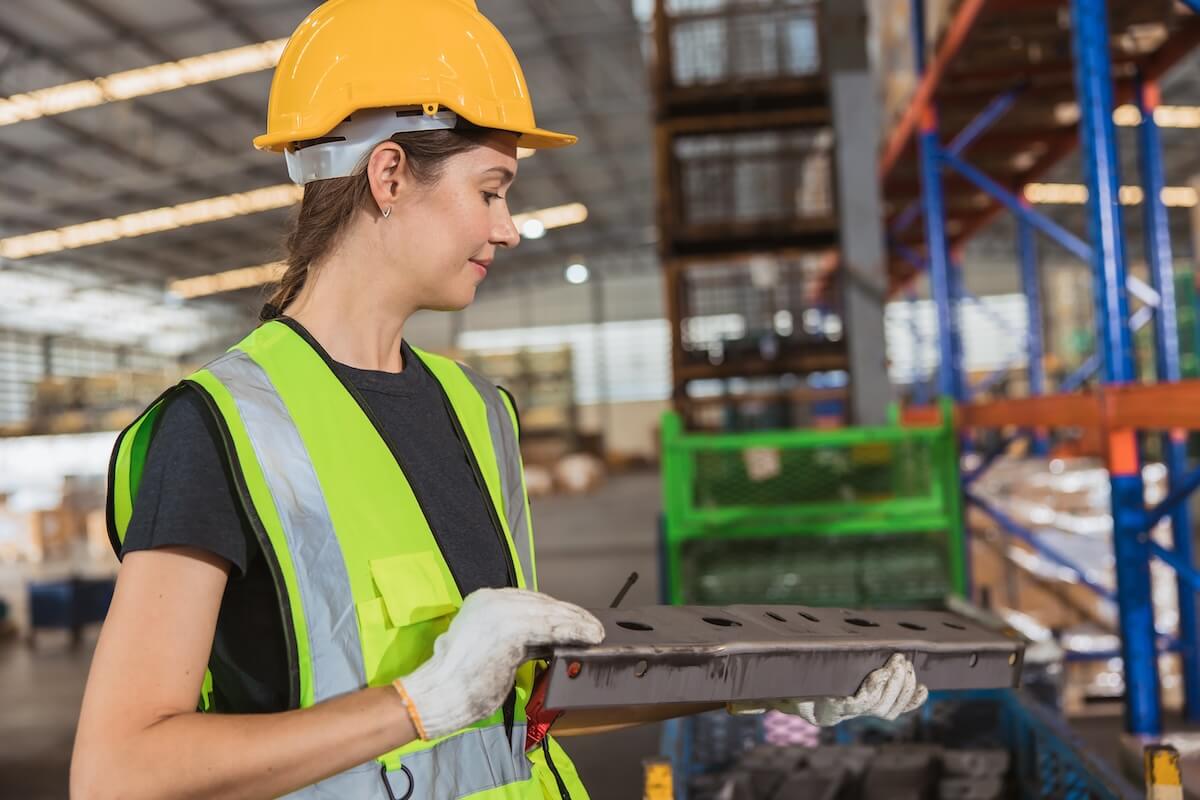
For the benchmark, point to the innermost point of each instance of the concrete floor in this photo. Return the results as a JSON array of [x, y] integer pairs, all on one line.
[[587, 546]]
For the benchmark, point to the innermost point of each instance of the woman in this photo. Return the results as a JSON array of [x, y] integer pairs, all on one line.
[[304, 516], [324, 532]]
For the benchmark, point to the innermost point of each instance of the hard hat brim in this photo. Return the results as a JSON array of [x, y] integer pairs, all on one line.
[[532, 138], [540, 138]]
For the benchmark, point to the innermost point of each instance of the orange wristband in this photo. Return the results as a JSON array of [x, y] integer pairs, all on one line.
[[412, 709]]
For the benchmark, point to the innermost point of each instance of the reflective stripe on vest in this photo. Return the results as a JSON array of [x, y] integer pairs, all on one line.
[[335, 650], [481, 760]]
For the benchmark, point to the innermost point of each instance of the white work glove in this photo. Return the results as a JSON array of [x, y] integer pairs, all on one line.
[[887, 693], [475, 661]]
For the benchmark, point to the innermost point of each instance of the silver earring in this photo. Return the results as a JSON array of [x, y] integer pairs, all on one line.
[[387, 212]]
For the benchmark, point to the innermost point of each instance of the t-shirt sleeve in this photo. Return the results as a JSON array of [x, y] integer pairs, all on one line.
[[186, 497]]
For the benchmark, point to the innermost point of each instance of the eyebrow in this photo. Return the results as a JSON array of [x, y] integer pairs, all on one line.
[[505, 173]]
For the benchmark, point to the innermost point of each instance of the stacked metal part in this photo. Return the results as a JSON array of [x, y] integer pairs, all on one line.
[[852, 772], [961, 746]]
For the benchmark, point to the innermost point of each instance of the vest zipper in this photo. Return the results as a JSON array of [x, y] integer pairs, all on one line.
[[562, 786], [264, 544]]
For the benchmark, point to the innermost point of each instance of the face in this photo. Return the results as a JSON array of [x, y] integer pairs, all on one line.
[[442, 239]]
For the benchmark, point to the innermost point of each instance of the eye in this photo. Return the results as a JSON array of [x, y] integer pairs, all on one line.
[[488, 197]]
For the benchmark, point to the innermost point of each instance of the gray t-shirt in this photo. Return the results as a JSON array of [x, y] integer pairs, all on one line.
[[186, 498]]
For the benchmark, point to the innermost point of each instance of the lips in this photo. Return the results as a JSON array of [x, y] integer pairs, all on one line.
[[484, 264]]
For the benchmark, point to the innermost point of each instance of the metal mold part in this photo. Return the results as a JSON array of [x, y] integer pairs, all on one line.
[[971, 789], [851, 759], [688, 654], [810, 785], [900, 774], [976, 763]]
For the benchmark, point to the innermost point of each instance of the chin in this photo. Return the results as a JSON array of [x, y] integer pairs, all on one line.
[[456, 302]]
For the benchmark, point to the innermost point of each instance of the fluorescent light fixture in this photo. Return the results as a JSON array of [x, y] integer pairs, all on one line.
[[140, 82], [228, 281], [155, 220], [168, 218], [1076, 194], [554, 217], [1066, 113], [1056, 194], [249, 277], [533, 229], [1128, 116], [577, 274]]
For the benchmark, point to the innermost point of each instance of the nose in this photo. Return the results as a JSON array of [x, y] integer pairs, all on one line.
[[505, 233]]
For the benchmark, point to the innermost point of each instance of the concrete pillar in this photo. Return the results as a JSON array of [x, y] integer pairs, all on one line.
[[860, 208]]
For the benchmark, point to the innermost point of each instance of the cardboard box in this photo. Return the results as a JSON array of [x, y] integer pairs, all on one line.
[[52, 533]]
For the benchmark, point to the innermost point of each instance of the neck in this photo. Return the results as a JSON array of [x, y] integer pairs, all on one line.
[[357, 326]]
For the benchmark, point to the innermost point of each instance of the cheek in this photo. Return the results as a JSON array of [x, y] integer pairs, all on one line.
[[471, 219]]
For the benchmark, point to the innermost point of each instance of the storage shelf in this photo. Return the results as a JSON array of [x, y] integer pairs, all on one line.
[[1038, 131]]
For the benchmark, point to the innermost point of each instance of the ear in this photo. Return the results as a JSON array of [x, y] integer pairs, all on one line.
[[387, 172]]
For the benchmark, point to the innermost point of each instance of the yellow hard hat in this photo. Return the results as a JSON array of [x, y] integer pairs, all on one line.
[[431, 56]]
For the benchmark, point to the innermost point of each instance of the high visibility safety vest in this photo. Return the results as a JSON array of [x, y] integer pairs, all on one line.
[[363, 587]]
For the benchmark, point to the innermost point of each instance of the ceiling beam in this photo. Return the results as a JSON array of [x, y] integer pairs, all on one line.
[[124, 152], [569, 59], [124, 30]]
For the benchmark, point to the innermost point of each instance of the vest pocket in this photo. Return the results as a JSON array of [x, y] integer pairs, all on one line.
[[416, 599]]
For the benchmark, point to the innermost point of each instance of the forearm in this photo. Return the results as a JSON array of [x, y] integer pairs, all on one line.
[[244, 756]]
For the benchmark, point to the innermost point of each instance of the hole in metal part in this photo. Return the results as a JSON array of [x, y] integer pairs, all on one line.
[[974, 659], [862, 623], [955, 627], [640, 668], [775, 616], [721, 622], [634, 626], [808, 617], [912, 626]]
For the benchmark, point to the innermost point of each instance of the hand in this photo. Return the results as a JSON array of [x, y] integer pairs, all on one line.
[[475, 661], [887, 693]]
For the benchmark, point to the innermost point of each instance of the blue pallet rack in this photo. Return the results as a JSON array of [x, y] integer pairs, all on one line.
[[1113, 364]]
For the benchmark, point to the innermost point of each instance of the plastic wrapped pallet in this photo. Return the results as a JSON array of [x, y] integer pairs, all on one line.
[[1065, 505], [732, 42], [894, 57]]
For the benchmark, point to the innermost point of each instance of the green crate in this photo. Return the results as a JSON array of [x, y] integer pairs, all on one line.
[[850, 517], [1189, 330], [889, 571]]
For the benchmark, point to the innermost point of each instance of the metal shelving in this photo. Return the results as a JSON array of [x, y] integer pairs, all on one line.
[[1033, 106], [744, 147]]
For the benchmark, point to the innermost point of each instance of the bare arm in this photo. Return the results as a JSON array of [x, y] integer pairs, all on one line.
[[139, 733]]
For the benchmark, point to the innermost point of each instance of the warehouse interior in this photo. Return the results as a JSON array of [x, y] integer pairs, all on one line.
[[855, 304]]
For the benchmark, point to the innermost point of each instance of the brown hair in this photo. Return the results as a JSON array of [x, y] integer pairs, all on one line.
[[328, 206]]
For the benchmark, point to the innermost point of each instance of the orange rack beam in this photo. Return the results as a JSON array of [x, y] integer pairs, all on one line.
[[1165, 406]]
